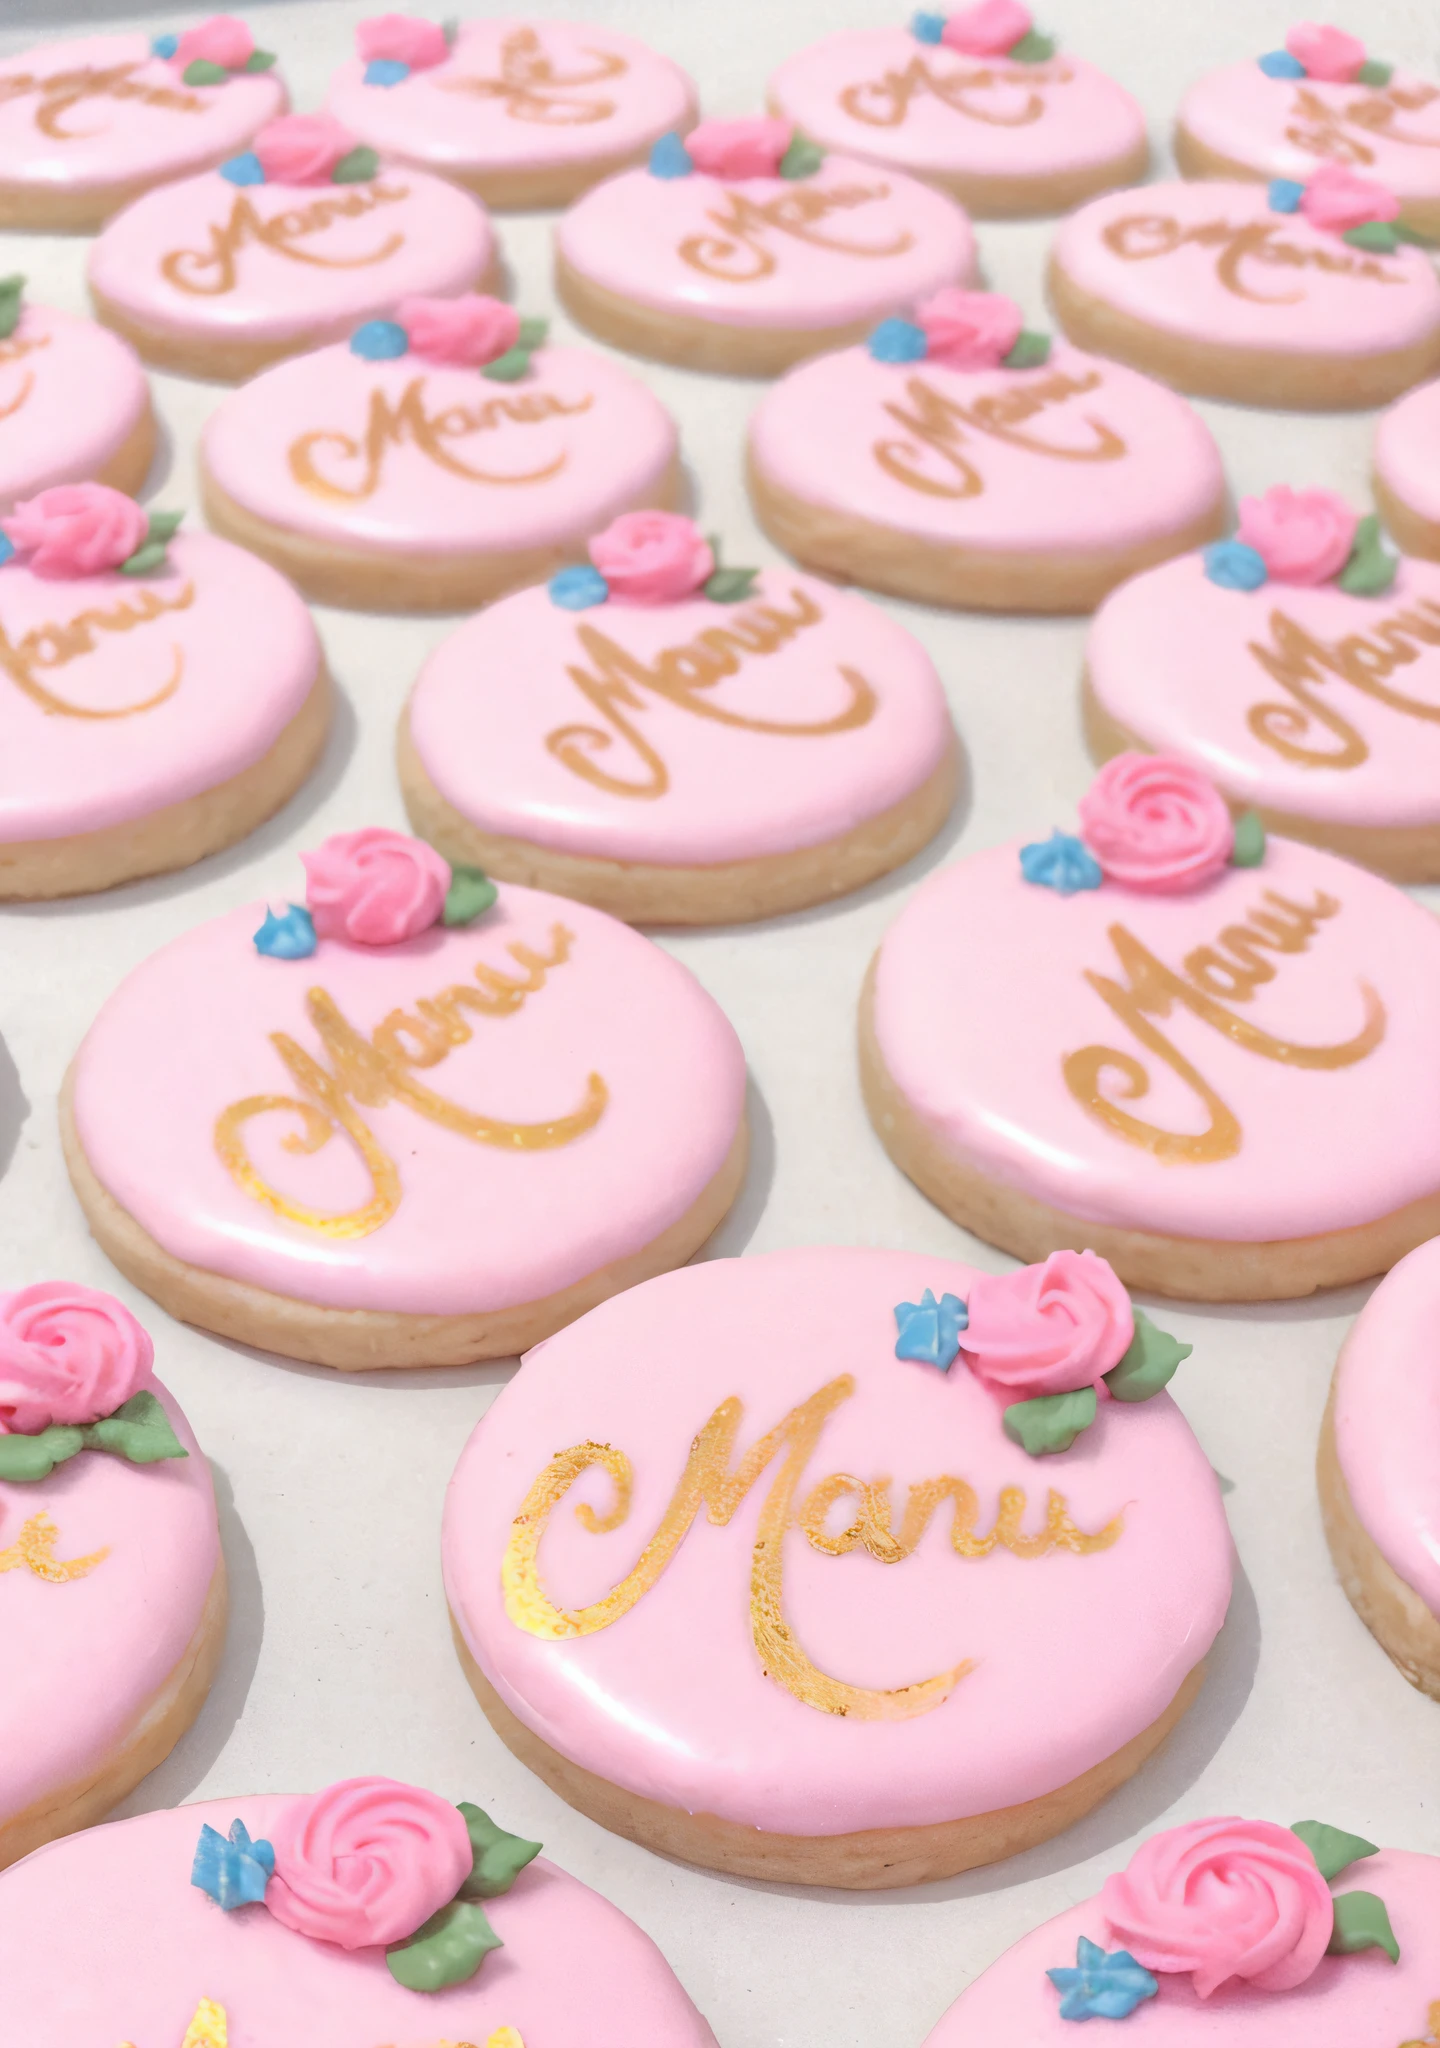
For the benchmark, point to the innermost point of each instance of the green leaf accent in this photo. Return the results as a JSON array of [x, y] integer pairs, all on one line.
[[1149, 1363], [802, 159], [149, 556], [1404, 233], [729, 586], [470, 894], [1032, 48], [447, 1950], [1361, 1921], [1332, 1848], [499, 1858], [356, 167], [533, 332], [1370, 571], [163, 525], [1372, 72], [1376, 236], [1052, 1423], [1030, 350], [1248, 849], [139, 1431], [509, 368], [24, 1459], [259, 60], [12, 293], [200, 71]]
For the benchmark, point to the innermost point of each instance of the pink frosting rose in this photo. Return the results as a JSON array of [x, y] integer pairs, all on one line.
[[988, 29], [67, 1354], [1336, 199], [301, 149], [1156, 823], [470, 330], [1302, 536], [403, 39], [1224, 1898], [969, 330], [1327, 53], [374, 887], [366, 1862], [739, 149], [221, 40], [1048, 1329], [652, 557], [76, 529]]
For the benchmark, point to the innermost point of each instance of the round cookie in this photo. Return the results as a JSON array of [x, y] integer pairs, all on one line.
[[161, 694], [1299, 667], [1286, 295], [284, 248], [112, 1581], [958, 459], [977, 103], [679, 742], [525, 113], [1233, 1931], [268, 1919], [745, 248], [88, 124], [1319, 100], [808, 1683], [1204, 1053], [438, 460], [1406, 465], [580, 1124], [74, 403]]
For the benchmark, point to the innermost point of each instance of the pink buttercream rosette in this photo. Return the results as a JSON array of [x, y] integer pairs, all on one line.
[[221, 40], [402, 39], [471, 330], [739, 149], [366, 1862], [67, 1355], [1336, 199], [76, 530], [1156, 823], [652, 557], [301, 149], [374, 887], [1301, 536], [969, 330], [1048, 1329], [988, 29], [1328, 54]]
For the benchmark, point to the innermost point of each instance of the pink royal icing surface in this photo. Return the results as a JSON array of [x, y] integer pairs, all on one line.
[[1063, 1656], [95, 111], [1213, 262], [1287, 127], [147, 1947], [881, 95], [1078, 454], [616, 732], [84, 1655], [521, 95], [122, 694], [588, 1028], [1407, 449], [417, 457], [846, 243], [1270, 1034], [71, 395]]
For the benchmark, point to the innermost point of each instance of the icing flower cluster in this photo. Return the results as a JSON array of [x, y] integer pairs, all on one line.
[[736, 150], [83, 530], [650, 558], [213, 51], [991, 28], [1329, 55], [374, 888], [302, 149], [73, 1370], [964, 331], [1361, 211], [470, 332], [1302, 537], [1150, 822], [391, 46]]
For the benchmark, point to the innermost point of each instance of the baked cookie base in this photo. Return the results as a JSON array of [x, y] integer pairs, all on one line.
[[1411, 531], [901, 564], [735, 892], [363, 1340], [181, 833], [877, 1859], [1187, 1268], [1196, 159], [149, 1741]]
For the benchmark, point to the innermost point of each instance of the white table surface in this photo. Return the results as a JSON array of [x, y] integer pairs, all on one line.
[[339, 1658]]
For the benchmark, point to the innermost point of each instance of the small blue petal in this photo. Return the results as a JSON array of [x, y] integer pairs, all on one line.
[[930, 1329], [1062, 863], [234, 1872], [164, 46], [7, 549], [1280, 64], [898, 341], [291, 937], [669, 158], [1234, 566], [1101, 1987], [246, 169], [577, 588], [927, 28], [1285, 195], [386, 71], [379, 341]]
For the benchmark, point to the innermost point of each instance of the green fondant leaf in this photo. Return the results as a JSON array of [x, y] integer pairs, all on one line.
[[509, 368], [139, 1430], [200, 71], [1376, 236], [12, 293], [447, 1950], [1030, 350], [259, 60], [499, 1858], [1249, 848], [27, 1458], [1052, 1423], [1149, 1363], [729, 586], [1404, 233], [1373, 72], [1361, 1921], [356, 167], [1370, 571], [1032, 48], [471, 892], [163, 525], [802, 159], [1332, 1848], [533, 332], [150, 555]]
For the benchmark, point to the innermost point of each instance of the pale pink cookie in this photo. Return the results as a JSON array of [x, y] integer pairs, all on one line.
[[1289, 295], [688, 1558], [112, 1582], [435, 461], [74, 403], [745, 248], [323, 1898], [1228, 1930], [285, 247], [1206, 1053], [371, 1130], [526, 113], [958, 458], [976, 102], [161, 694], [88, 124], [1406, 466]]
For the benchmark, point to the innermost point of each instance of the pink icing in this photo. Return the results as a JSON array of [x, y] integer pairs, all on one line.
[[75, 530], [988, 29], [366, 1862], [1047, 1329], [1303, 536], [739, 149], [1335, 198], [1407, 450], [739, 781], [652, 557], [301, 149], [1327, 53], [1284, 128], [1156, 823], [471, 330], [969, 330], [374, 887], [68, 1354], [222, 40], [403, 39], [71, 395]]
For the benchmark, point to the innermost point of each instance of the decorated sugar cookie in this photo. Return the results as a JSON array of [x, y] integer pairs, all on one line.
[[746, 248], [412, 1120], [1228, 1930], [112, 1583], [1298, 666], [1203, 1051], [88, 124], [371, 1911], [74, 403], [958, 458], [690, 1558], [1290, 294], [977, 102], [679, 741], [436, 460], [161, 693], [284, 247], [526, 113], [1407, 463], [1321, 99]]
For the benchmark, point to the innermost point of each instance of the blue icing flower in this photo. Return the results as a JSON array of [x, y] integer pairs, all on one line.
[[7, 549], [1101, 1987], [245, 169], [164, 46], [1062, 863], [234, 1872], [1280, 64], [379, 341], [930, 1329], [1234, 566], [576, 589], [669, 158], [898, 341], [291, 937], [1285, 195], [927, 28], [386, 71]]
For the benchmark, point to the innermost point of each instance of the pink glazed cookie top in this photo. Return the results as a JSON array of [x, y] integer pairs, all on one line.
[[1407, 450], [71, 395], [151, 1953], [514, 95], [1288, 127]]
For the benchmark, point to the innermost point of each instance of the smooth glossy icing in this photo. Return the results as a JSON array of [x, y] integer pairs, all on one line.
[[1283, 128], [71, 395], [1214, 262], [617, 733], [846, 243], [1079, 454], [154, 1948], [1407, 450], [122, 694], [1046, 1663], [417, 457]]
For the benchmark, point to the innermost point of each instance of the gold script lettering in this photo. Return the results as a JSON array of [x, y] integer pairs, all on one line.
[[63, 91], [1339, 132], [391, 426], [34, 1551], [1432, 2030], [938, 424], [1139, 237], [531, 88], [1300, 664], [885, 102], [737, 252], [51, 646], [13, 350], [208, 273]]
